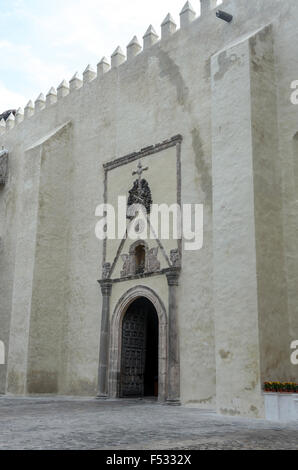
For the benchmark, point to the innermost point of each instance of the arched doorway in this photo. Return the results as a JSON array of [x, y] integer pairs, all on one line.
[[138, 293], [139, 352]]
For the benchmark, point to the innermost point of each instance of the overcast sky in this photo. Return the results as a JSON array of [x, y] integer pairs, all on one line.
[[43, 42]]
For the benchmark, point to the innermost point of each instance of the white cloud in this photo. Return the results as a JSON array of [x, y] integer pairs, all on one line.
[[21, 60]]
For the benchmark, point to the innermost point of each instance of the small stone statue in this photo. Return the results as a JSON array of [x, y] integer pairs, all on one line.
[[106, 270], [175, 258], [126, 266]]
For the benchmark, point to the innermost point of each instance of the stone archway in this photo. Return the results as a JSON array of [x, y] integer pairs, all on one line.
[[116, 339]]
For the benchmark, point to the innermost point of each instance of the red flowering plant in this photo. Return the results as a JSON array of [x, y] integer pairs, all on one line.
[[281, 387]]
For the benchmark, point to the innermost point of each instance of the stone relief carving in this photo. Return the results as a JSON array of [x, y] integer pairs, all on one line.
[[106, 270], [130, 266], [126, 270], [3, 166], [140, 195]]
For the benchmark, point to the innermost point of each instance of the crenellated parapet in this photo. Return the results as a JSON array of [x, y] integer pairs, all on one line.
[[169, 28], [19, 116]]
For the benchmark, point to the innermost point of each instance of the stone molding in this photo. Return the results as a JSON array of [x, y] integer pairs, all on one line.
[[152, 265], [162, 272], [143, 153]]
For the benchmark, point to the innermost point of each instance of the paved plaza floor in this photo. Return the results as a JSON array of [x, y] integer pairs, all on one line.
[[72, 423]]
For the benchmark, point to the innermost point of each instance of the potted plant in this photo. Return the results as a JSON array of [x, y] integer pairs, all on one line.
[[281, 387]]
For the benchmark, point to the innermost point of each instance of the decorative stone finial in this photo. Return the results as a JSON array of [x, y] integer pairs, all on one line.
[[207, 5], [106, 270], [63, 89], [10, 121], [75, 83], [51, 97], [89, 74], [175, 258], [133, 48], [103, 67], [2, 126], [106, 287], [150, 37], [29, 109], [187, 15], [118, 57], [168, 26], [40, 103], [19, 116]]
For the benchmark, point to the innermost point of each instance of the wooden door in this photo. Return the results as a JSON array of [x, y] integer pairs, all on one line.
[[134, 331]]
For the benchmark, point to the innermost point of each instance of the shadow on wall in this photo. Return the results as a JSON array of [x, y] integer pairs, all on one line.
[[2, 353]]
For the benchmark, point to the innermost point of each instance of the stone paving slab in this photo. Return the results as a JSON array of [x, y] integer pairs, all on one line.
[[66, 423]]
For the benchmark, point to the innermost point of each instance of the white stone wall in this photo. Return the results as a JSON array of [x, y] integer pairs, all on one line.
[[166, 90]]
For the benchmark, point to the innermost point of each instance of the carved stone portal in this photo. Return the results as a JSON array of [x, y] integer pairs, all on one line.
[[116, 365], [3, 166]]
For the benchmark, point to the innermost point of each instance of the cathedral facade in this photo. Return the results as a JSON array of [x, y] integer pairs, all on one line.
[[205, 114]]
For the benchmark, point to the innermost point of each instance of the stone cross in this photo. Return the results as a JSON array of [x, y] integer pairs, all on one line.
[[139, 172]]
